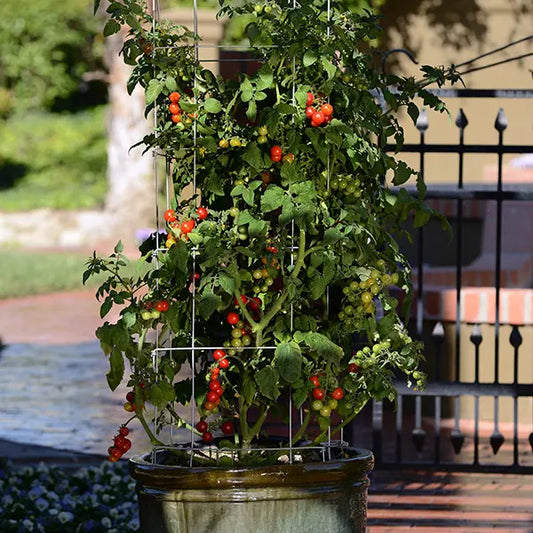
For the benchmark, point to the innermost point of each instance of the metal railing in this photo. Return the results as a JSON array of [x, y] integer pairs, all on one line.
[[427, 429]]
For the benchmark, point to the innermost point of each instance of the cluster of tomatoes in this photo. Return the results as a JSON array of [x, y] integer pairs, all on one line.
[[234, 142], [318, 113], [153, 310], [360, 294], [182, 228], [276, 155], [121, 445], [176, 113], [227, 428], [174, 107], [319, 398], [241, 336], [130, 405]]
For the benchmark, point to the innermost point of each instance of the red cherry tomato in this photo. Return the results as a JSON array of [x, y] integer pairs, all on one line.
[[202, 213], [202, 426], [174, 109], [276, 151], [162, 306], [275, 158], [130, 396], [224, 363], [124, 431], [318, 394], [318, 117], [232, 318], [314, 124], [315, 381], [310, 98], [170, 215], [353, 368], [227, 428], [209, 406], [310, 111], [337, 394], [219, 354], [212, 396], [327, 109], [174, 97], [187, 226], [175, 118], [244, 300], [207, 436]]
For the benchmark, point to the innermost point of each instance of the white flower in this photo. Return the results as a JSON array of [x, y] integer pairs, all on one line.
[[65, 517], [28, 524], [106, 522]]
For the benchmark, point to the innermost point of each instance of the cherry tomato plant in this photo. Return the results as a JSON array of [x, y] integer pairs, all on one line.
[[288, 251]]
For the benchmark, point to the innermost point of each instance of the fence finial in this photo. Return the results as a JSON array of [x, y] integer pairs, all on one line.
[[501, 121], [422, 122], [461, 121]]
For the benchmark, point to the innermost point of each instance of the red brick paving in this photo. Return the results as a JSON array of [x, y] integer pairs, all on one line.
[[443, 501]]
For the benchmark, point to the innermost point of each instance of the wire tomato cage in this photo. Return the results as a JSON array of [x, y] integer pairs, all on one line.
[[179, 437]]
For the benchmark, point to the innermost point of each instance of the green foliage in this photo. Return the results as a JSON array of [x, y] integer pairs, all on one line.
[[299, 241], [46, 46], [53, 160]]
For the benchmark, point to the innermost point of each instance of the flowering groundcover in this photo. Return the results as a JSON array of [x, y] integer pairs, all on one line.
[[51, 499]]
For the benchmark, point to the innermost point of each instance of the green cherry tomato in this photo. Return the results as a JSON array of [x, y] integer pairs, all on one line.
[[233, 212], [155, 314], [146, 315], [257, 274], [236, 333], [325, 411], [262, 139], [333, 404], [317, 405]]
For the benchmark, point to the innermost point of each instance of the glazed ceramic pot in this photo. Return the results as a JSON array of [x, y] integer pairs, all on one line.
[[326, 496]]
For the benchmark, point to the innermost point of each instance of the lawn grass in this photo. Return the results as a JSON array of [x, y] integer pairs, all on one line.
[[25, 273]]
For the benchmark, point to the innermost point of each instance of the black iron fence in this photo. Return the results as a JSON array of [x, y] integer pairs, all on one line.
[[456, 422]]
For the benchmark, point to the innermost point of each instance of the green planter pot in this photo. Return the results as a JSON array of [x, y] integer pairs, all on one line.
[[327, 497]]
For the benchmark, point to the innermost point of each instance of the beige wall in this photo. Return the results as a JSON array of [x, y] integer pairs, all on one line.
[[502, 28]]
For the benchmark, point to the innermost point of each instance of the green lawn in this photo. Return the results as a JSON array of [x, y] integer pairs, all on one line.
[[25, 272]]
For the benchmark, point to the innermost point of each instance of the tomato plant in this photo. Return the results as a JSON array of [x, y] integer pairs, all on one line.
[[289, 207]]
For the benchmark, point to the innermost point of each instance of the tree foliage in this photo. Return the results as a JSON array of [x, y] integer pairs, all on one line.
[[47, 45]]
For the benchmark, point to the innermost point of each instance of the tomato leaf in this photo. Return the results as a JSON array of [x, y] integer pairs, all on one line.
[[153, 91], [299, 396], [320, 344], [310, 57], [116, 370], [288, 360], [208, 303], [227, 283], [413, 112], [265, 78], [272, 198], [160, 394], [111, 27], [212, 105], [267, 382]]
